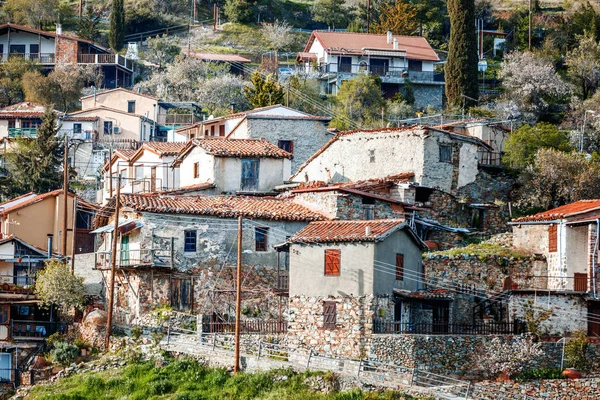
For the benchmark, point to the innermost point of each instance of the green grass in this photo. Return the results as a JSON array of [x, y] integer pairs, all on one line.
[[481, 250], [188, 380]]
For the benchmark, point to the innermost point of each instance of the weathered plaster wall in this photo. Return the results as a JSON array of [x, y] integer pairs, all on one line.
[[84, 267], [384, 275]]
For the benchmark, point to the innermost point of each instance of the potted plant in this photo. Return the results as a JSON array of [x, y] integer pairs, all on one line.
[[5, 286]]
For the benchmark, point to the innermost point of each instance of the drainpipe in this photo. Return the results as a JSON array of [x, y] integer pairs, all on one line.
[[49, 246], [594, 259]]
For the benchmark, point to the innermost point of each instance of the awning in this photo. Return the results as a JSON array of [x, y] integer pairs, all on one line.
[[124, 227]]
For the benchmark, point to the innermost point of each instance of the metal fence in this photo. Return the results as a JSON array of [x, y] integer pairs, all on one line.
[[442, 328], [266, 327]]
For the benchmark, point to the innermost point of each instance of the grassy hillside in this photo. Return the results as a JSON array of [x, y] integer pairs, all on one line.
[[189, 380]]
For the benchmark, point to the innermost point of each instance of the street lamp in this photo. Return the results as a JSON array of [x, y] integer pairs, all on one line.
[[583, 128]]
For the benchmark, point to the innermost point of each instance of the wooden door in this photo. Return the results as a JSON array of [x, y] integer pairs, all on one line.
[[594, 319], [580, 284], [181, 294]]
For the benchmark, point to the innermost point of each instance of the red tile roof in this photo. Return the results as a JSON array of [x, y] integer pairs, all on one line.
[[120, 90], [83, 119], [346, 231], [37, 198], [126, 155], [165, 148], [219, 206], [222, 147], [416, 47], [562, 212], [25, 109]]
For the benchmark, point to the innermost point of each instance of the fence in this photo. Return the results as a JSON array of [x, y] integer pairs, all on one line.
[[366, 370], [35, 330], [267, 327], [489, 158], [578, 283], [442, 328]]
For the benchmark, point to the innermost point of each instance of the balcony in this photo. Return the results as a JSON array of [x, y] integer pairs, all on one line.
[[177, 119], [42, 58], [162, 258], [576, 283], [444, 328], [105, 59], [26, 133], [32, 330], [386, 73]]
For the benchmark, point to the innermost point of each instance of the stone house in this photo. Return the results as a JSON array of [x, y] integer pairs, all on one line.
[[181, 250], [291, 130], [348, 276], [398, 60], [149, 169], [56, 48], [233, 166], [438, 159]]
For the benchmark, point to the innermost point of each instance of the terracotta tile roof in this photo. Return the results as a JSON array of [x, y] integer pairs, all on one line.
[[189, 188], [120, 90], [23, 110], [218, 57], [346, 231], [416, 47], [126, 155], [101, 107], [165, 148], [219, 206], [563, 212], [223, 147], [83, 119], [31, 198]]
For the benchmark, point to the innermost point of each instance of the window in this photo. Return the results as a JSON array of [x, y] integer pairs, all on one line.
[[189, 244], [131, 106], [415, 65], [399, 267], [34, 51], [329, 315], [260, 239], [11, 124], [212, 130], [221, 130], [196, 170], [332, 261], [17, 49], [76, 128], [368, 212], [345, 64], [286, 145], [249, 174], [108, 127], [552, 238], [139, 172], [445, 153], [371, 156]]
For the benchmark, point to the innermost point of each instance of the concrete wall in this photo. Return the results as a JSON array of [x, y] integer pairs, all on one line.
[[131, 126], [118, 99]]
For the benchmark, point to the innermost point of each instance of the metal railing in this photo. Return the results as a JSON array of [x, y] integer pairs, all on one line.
[[385, 72], [489, 158], [105, 59], [550, 282], [35, 330], [441, 328], [267, 327], [134, 258], [22, 132], [43, 58], [177, 119]]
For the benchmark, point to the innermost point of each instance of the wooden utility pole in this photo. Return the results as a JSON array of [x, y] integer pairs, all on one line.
[[238, 296], [74, 242], [110, 173], [63, 247], [530, 13], [80, 9], [368, 16], [113, 266], [214, 16]]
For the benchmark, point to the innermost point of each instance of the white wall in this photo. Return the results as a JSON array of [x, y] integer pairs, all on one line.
[[47, 45], [271, 173], [206, 168]]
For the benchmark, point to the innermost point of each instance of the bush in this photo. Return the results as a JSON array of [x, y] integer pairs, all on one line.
[[575, 350], [540, 373], [64, 353], [136, 332]]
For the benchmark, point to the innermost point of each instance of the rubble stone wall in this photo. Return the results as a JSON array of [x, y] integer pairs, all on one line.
[[563, 389]]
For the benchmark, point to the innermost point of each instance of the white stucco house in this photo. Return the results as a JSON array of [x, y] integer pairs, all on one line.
[[233, 166], [438, 159]]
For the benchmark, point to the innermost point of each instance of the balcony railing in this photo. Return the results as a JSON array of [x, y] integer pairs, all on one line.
[[43, 58], [136, 258], [387, 73], [105, 59], [35, 330], [489, 158], [577, 283], [443, 328], [177, 119], [258, 326], [22, 133]]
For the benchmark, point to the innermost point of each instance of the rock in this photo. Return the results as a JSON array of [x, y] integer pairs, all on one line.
[[96, 318]]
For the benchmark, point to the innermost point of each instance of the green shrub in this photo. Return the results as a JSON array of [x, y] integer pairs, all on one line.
[[575, 350], [540, 373], [136, 332], [65, 353], [156, 336], [82, 344]]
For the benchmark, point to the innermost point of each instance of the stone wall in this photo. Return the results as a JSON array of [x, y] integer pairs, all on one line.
[[66, 50], [482, 272], [563, 389], [428, 95], [354, 324]]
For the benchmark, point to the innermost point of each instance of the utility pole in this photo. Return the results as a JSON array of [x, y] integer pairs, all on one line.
[[80, 9], [530, 13], [214, 16], [74, 242], [238, 296], [113, 266], [65, 199], [368, 16], [110, 173]]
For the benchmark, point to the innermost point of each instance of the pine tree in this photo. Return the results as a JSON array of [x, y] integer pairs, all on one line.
[[35, 165], [116, 33], [461, 65], [263, 91], [88, 28]]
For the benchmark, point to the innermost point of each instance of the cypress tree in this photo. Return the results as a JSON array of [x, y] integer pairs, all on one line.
[[116, 33], [461, 65]]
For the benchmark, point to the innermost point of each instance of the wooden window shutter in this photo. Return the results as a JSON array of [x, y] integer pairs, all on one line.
[[332, 261], [552, 238], [399, 267], [329, 315]]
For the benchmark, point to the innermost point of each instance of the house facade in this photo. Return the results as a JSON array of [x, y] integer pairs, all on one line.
[[116, 124], [234, 165], [296, 132], [21, 120], [50, 49], [343, 280], [397, 60], [175, 249]]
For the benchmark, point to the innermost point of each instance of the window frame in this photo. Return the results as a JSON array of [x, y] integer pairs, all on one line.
[[399, 267], [371, 156], [332, 262], [261, 245], [553, 238], [77, 127], [329, 312], [286, 145], [131, 106], [193, 244], [443, 155], [109, 125], [196, 170]]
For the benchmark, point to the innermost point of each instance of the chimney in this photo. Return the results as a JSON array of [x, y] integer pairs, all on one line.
[[389, 37], [49, 246], [233, 108], [58, 29], [367, 231], [395, 43]]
